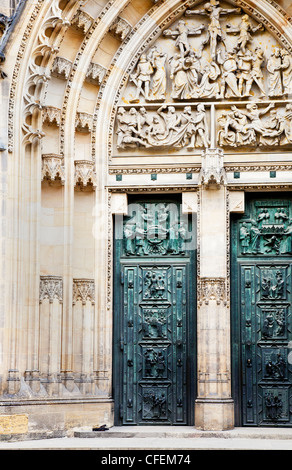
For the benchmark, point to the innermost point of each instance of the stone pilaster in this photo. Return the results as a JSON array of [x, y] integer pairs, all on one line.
[[214, 404], [83, 321], [51, 299]]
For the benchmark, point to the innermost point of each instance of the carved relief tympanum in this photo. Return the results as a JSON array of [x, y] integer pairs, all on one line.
[[206, 82]]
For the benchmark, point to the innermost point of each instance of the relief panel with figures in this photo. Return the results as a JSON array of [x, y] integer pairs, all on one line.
[[215, 77], [261, 312], [154, 316]]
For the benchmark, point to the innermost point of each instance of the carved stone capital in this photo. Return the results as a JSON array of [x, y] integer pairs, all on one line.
[[82, 21], [120, 28], [83, 122], [61, 68], [212, 171], [83, 290], [212, 289], [85, 174], [51, 287], [53, 167], [51, 115], [95, 73]]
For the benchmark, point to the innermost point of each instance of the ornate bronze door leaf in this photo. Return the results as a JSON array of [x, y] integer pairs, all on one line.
[[155, 318], [262, 261]]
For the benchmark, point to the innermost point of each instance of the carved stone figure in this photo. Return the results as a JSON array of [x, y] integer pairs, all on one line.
[[128, 131], [178, 73], [274, 67], [271, 136], [229, 87], [142, 78], [256, 71], [209, 86], [235, 129], [245, 29], [286, 126], [254, 115], [286, 71], [215, 33], [157, 60], [181, 34], [245, 62]]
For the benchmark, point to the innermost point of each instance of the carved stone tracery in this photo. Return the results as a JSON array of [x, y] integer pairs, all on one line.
[[53, 168]]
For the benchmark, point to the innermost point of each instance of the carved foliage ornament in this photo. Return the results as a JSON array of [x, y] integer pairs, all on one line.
[[85, 174], [83, 290], [53, 168], [212, 289]]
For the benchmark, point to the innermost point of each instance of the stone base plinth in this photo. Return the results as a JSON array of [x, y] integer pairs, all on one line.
[[52, 418], [214, 415]]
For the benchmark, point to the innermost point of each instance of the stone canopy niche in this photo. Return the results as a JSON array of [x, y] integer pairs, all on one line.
[[214, 78]]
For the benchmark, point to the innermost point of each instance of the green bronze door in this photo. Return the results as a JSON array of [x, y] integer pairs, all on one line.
[[154, 306], [261, 312]]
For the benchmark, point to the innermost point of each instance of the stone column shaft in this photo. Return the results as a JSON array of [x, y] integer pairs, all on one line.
[[214, 405]]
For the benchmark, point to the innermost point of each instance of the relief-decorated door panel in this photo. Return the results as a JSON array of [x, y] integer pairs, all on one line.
[[262, 329], [154, 325]]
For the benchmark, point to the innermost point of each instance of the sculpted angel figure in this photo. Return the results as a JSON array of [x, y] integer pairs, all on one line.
[[215, 33]]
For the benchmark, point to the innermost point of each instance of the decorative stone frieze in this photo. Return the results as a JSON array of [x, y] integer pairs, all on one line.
[[51, 115], [212, 289], [51, 288], [61, 68], [85, 174], [83, 122], [53, 167], [83, 290], [120, 28], [212, 171], [82, 21], [95, 73]]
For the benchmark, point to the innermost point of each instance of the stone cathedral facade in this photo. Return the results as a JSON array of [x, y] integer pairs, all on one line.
[[146, 224]]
